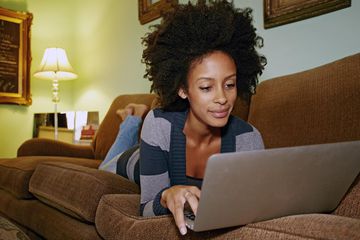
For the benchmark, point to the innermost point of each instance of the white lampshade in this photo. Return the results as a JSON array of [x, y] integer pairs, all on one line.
[[55, 65]]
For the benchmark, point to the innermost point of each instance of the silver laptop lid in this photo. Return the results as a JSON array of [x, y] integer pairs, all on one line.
[[245, 187]]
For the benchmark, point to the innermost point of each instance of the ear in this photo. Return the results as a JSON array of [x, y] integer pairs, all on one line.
[[182, 93]]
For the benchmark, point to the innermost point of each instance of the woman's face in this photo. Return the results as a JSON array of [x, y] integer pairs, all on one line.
[[211, 89]]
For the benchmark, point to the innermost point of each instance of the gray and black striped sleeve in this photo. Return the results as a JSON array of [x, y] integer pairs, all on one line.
[[154, 172], [249, 141]]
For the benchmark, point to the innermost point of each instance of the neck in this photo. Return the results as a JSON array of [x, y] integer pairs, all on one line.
[[198, 131]]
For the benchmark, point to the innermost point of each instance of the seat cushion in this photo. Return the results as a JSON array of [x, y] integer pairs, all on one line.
[[117, 217], [76, 190], [15, 173]]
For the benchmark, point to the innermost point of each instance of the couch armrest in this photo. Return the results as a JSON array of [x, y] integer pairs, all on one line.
[[49, 147]]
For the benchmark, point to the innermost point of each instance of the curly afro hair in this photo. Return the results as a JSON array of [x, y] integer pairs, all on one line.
[[189, 33]]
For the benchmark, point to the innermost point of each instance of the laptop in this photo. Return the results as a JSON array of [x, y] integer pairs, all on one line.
[[247, 187]]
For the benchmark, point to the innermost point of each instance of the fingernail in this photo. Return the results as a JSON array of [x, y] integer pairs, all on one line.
[[183, 230]]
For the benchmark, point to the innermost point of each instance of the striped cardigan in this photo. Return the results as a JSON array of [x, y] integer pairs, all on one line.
[[162, 153]]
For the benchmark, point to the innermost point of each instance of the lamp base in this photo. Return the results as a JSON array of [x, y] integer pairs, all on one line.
[[55, 122], [55, 99]]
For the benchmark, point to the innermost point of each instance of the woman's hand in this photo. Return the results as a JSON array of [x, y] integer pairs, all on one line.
[[175, 197]]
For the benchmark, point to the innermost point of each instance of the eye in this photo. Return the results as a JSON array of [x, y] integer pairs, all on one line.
[[230, 85], [205, 89]]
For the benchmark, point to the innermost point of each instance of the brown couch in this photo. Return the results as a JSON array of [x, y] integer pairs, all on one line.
[[53, 190]]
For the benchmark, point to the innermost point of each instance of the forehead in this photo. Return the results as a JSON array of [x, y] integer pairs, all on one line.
[[213, 62]]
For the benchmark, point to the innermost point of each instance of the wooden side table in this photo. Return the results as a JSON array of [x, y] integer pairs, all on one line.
[[64, 134]]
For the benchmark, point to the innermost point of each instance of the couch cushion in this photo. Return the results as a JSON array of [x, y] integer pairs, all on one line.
[[350, 204], [42, 221], [15, 173], [74, 189], [117, 218], [320, 105]]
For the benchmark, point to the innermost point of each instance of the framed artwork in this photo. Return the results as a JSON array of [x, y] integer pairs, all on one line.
[[279, 12], [150, 10], [15, 57]]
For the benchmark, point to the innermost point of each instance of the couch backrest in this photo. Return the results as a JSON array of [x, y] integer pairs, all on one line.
[[316, 106], [241, 109], [109, 126]]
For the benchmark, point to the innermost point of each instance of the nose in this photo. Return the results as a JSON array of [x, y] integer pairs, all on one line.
[[220, 97]]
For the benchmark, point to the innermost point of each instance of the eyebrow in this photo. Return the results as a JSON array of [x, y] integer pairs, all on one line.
[[209, 78]]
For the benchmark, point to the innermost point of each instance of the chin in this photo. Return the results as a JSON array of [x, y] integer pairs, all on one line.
[[219, 122]]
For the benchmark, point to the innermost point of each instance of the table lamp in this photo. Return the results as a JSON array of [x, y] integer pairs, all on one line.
[[55, 66]]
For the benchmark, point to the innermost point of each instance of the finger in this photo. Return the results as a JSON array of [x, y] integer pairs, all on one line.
[[193, 201], [196, 191], [179, 218]]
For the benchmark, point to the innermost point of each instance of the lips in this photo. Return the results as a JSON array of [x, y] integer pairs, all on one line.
[[220, 113]]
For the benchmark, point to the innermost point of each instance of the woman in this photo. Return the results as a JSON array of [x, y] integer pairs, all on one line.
[[199, 59]]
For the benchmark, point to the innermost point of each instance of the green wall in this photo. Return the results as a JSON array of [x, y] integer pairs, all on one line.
[[52, 26], [103, 43], [108, 48]]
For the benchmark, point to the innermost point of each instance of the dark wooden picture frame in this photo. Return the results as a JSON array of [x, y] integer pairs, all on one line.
[[15, 57], [279, 12], [150, 10]]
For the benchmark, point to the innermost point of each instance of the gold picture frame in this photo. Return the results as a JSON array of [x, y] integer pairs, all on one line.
[[150, 10], [279, 12], [15, 57]]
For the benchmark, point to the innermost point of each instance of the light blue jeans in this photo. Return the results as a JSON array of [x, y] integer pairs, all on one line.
[[127, 137]]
